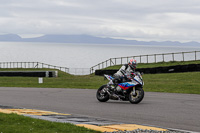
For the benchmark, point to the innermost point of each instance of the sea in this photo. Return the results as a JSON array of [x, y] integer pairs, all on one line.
[[78, 55]]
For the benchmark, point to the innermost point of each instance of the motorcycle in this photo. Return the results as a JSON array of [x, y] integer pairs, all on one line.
[[131, 90]]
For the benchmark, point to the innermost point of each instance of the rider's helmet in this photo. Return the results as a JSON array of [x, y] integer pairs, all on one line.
[[132, 63]]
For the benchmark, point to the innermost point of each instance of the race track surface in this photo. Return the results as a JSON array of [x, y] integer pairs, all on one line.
[[166, 110]]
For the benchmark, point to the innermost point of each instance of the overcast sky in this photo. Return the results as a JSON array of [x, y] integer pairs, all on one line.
[[157, 20]]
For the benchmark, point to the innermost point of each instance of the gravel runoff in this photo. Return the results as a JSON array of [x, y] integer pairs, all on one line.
[[147, 131]]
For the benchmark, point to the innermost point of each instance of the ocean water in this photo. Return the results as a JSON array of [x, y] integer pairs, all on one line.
[[77, 55]]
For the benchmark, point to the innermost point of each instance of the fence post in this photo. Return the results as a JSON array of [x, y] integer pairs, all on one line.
[[155, 57], [183, 55], [147, 59], [121, 60], [91, 70], [140, 59], [111, 62], [163, 57], [195, 52], [173, 57]]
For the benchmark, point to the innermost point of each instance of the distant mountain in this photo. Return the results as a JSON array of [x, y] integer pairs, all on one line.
[[74, 39], [10, 37], [88, 39]]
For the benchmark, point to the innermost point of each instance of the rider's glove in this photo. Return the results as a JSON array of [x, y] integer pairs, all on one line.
[[125, 76], [132, 75]]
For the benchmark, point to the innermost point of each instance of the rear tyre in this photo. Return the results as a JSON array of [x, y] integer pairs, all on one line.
[[102, 95], [139, 95]]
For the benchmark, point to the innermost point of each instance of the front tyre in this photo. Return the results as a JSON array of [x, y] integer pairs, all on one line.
[[139, 95], [101, 94]]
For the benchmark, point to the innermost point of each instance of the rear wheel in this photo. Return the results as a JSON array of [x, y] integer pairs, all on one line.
[[101, 94], [138, 96]]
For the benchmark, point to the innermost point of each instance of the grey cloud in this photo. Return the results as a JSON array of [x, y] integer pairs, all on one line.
[[155, 19]]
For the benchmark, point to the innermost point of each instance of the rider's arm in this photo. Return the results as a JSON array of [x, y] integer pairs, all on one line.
[[121, 71]]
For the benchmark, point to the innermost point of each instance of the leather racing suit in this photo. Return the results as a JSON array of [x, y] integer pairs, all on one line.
[[122, 74]]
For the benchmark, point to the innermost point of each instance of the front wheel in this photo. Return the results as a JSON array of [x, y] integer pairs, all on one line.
[[101, 94], [138, 96]]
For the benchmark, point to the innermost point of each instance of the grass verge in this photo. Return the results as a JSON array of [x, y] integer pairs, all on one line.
[[170, 82], [13, 123], [63, 80], [159, 64], [174, 82]]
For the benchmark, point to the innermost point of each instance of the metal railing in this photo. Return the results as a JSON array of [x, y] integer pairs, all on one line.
[[31, 65], [74, 71], [151, 58]]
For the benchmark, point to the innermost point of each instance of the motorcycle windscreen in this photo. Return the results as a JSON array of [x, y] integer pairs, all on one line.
[[138, 80]]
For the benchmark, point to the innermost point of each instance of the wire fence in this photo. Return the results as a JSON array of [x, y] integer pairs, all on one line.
[[151, 58], [79, 71]]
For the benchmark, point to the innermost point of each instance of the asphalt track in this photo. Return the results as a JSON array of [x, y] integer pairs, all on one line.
[[166, 110]]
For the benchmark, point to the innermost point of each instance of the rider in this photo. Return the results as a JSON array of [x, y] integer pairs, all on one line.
[[125, 71]]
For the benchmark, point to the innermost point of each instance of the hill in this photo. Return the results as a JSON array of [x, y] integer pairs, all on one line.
[[89, 39]]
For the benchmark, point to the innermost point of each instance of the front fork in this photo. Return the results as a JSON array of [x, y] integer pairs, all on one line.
[[133, 92]]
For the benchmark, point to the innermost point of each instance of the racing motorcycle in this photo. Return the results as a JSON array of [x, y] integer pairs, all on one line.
[[131, 90]]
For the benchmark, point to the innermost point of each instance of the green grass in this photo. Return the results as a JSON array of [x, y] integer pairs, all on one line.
[[159, 64], [170, 82], [174, 82], [63, 80], [13, 123]]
